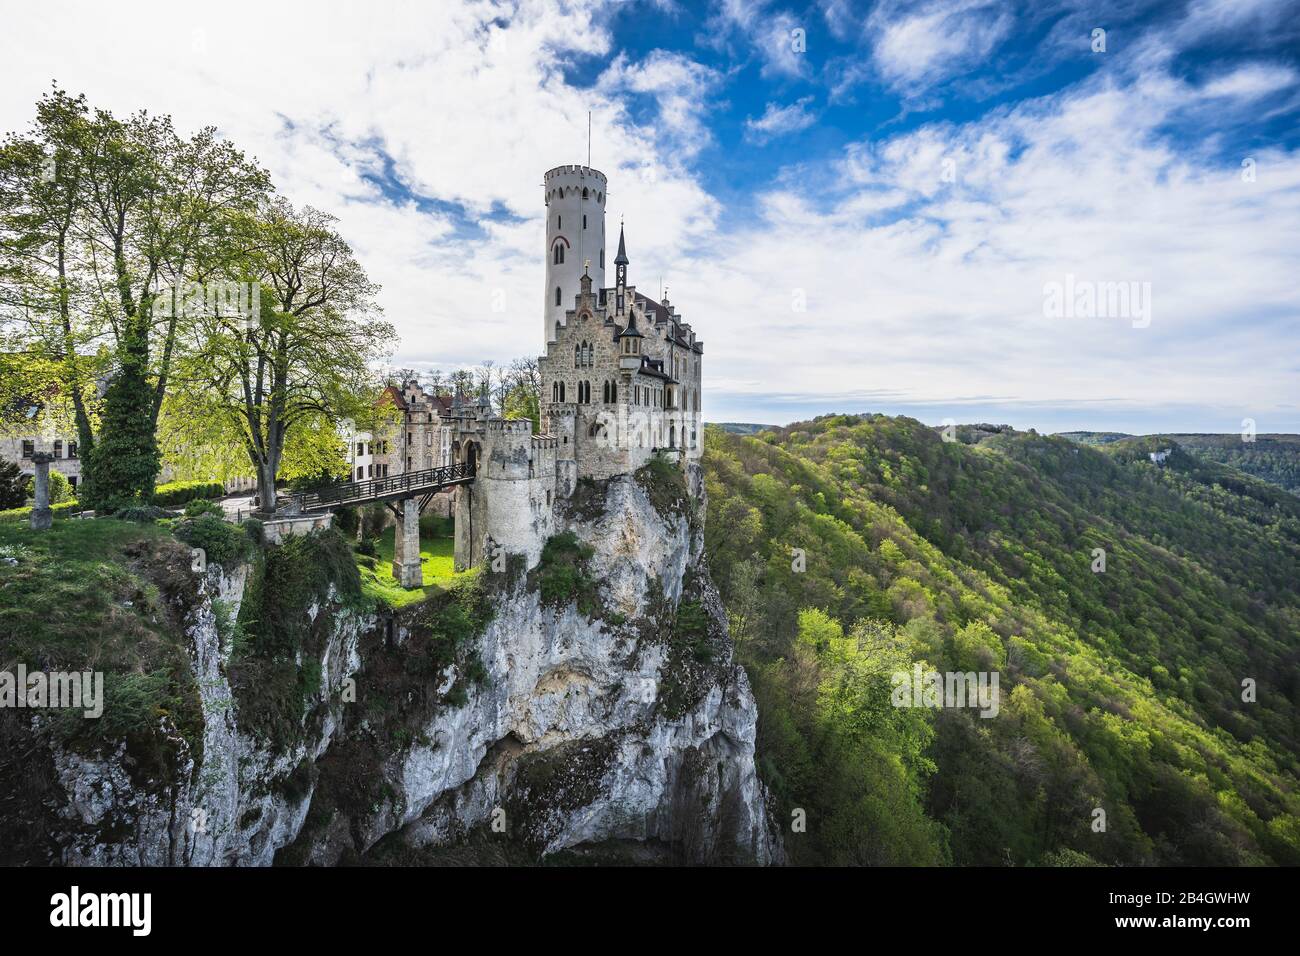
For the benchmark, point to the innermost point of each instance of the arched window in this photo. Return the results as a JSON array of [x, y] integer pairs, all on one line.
[[559, 253], [577, 356], [672, 436], [561, 391], [584, 222], [584, 393], [557, 295], [584, 192], [559, 222]]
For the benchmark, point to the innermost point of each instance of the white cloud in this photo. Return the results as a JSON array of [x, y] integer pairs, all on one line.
[[768, 32], [916, 48], [918, 290], [681, 88], [1251, 81], [781, 120]]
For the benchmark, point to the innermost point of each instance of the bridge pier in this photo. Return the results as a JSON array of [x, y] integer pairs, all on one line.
[[406, 544]]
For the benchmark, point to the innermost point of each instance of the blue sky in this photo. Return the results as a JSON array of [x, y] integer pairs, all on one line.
[[870, 221]]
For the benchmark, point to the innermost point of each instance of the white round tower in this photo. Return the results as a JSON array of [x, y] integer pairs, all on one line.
[[575, 232]]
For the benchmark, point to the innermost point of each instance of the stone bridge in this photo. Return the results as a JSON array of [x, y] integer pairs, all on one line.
[[405, 495]]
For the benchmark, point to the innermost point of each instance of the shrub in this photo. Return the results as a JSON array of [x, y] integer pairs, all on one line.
[[13, 486], [562, 573], [347, 521], [255, 530], [61, 510], [141, 513], [223, 543], [180, 492], [664, 483], [60, 488], [201, 506]]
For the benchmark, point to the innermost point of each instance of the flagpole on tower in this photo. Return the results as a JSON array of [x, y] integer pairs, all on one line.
[[588, 139]]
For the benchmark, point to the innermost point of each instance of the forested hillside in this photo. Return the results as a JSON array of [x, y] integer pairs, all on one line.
[[1120, 690], [1274, 458]]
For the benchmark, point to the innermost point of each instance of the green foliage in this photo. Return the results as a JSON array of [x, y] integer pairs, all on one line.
[[144, 514], [664, 482], [108, 596], [255, 530], [60, 488], [13, 486], [562, 575], [223, 543], [125, 461], [182, 492], [347, 520], [1119, 689], [275, 669], [199, 506], [61, 510]]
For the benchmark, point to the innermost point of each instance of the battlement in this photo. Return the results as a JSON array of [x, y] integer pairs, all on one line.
[[515, 426], [574, 170], [545, 441]]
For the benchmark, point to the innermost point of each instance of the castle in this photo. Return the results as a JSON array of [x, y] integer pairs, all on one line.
[[620, 384]]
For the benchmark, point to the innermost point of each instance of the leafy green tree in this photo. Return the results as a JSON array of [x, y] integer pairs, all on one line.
[[310, 358], [99, 217]]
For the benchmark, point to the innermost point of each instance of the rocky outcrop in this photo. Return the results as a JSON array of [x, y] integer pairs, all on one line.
[[607, 717]]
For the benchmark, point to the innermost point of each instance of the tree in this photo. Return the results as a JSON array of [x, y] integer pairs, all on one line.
[[307, 361], [521, 391], [13, 486], [98, 218]]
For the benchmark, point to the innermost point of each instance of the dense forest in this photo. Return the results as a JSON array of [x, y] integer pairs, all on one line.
[[1274, 458], [1143, 620]]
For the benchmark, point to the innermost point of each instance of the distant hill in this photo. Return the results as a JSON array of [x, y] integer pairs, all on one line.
[[1273, 457], [1093, 438], [855, 547], [741, 428]]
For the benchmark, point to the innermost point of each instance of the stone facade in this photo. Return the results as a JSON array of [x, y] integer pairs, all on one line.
[[420, 439], [62, 450], [621, 383]]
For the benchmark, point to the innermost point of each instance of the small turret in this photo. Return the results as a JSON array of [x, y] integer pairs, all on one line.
[[629, 345]]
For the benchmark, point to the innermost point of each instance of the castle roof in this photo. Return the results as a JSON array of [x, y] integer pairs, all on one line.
[[621, 258], [631, 331], [654, 368], [394, 393]]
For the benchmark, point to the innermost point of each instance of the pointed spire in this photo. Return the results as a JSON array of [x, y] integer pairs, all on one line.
[[631, 332], [621, 258]]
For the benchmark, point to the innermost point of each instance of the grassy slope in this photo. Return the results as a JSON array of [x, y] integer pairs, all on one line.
[[436, 566], [1121, 690]]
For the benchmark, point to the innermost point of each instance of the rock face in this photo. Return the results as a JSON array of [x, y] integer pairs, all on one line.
[[602, 720]]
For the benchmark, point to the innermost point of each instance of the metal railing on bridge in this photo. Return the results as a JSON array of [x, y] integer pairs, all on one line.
[[380, 489]]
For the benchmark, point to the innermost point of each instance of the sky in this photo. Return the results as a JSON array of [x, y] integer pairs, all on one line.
[[898, 207]]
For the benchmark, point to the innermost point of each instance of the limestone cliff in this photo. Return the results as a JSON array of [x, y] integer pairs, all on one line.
[[586, 705]]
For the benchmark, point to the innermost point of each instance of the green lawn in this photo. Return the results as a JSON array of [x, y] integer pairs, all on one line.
[[435, 564]]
